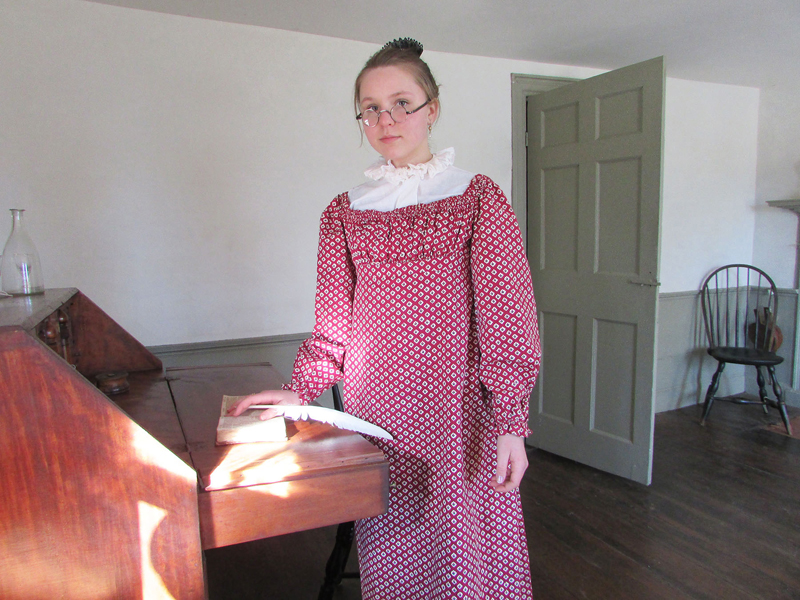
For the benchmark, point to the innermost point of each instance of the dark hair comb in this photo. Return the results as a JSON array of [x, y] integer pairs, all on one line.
[[404, 44]]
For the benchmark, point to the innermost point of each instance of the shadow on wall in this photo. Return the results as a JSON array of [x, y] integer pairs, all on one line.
[[684, 368]]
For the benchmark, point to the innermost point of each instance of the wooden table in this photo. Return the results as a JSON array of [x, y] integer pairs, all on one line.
[[102, 499]]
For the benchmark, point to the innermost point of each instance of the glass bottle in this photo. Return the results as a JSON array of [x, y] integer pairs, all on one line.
[[20, 270]]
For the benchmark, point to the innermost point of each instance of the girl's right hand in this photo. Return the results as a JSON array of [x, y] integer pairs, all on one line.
[[284, 397]]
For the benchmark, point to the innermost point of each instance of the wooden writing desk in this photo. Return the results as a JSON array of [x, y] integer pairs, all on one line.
[[98, 502]]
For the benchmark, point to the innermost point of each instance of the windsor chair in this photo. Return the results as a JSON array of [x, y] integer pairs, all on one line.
[[740, 311]]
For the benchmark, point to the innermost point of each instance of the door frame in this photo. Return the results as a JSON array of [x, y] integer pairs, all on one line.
[[523, 86]]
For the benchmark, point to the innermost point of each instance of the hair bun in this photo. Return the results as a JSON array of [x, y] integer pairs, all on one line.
[[405, 44]]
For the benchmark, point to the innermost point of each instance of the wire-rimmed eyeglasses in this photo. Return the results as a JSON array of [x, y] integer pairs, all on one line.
[[398, 112]]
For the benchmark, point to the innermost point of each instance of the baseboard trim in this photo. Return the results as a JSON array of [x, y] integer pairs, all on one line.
[[170, 350], [684, 294], [278, 350]]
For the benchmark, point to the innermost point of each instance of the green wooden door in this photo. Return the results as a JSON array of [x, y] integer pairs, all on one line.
[[594, 187]]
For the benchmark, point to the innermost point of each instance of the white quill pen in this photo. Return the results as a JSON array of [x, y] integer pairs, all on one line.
[[327, 415]]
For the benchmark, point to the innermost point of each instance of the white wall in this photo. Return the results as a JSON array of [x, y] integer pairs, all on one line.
[[174, 169], [708, 204], [170, 166], [778, 179]]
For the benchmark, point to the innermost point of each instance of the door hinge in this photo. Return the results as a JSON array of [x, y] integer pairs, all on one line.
[[526, 139]]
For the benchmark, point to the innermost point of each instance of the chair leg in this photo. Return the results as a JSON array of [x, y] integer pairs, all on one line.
[[776, 387], [334, 569], [762, 389], [712, 390]]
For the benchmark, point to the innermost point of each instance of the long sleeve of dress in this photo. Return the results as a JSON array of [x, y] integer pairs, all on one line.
[[506, 312], [320, 359]]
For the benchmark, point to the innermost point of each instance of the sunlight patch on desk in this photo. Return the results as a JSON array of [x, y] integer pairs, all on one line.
[[150, 452], [282, 490], [150, 518], [240, 468]]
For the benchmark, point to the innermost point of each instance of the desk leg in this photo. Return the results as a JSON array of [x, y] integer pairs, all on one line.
[[334, 569]]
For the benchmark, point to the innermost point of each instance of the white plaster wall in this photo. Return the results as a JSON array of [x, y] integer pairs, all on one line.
[[775, 248], [174, 169], [164, 165], [708, 201]]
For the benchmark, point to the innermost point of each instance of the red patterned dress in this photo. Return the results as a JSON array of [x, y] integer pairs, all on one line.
[[427, 313]]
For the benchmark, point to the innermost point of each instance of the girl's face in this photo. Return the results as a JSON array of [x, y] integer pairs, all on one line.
[[403, 143]]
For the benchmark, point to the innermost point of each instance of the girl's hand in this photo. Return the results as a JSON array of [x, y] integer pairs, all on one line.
[[512, 461], [266, 397]]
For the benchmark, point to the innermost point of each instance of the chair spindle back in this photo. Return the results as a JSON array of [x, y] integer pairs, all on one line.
[[740, 308]]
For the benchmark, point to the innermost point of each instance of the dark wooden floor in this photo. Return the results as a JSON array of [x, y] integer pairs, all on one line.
[[721, 520]]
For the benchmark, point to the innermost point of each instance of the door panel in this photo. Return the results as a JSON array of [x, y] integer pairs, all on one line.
[[615, 352], [594, 181], [619, 113], [618, 220], [558, 401], [560, 214], [560, 125]]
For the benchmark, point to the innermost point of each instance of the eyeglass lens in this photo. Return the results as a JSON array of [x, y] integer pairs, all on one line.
[[371, 116]]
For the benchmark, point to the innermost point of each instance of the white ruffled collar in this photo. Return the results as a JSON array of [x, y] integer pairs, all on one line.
[[385, 170]]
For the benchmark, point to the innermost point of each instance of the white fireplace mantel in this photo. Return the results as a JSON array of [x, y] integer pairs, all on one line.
[[793, 205]]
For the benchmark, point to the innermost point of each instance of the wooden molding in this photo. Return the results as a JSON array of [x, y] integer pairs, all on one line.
[[793, 205]]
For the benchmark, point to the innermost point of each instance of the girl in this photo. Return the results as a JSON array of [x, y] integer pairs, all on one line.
[[425, 308]]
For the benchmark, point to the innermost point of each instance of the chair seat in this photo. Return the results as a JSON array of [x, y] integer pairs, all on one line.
[[745, 356]]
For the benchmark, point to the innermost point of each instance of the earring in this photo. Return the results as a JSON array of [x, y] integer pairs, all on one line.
[[430, 129]]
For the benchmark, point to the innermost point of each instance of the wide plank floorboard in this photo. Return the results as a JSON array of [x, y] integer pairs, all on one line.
[[720, 520]]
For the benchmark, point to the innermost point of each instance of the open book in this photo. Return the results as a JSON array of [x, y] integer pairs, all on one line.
[[247, 427]]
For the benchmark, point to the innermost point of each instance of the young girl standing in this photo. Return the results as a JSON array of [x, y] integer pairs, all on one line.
[[425, 309]]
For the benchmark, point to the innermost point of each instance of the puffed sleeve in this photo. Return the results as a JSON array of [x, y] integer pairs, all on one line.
[[506, 312], [320, 359]]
